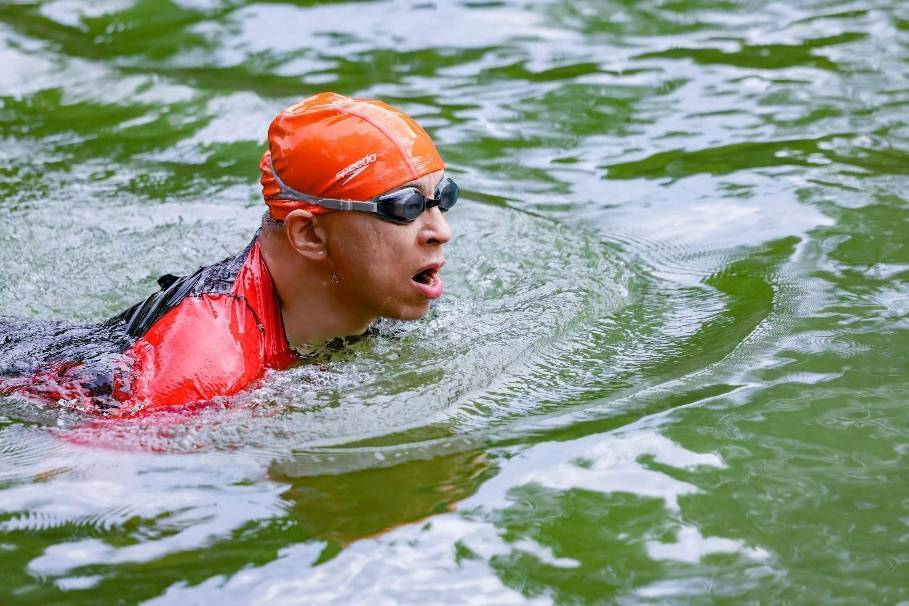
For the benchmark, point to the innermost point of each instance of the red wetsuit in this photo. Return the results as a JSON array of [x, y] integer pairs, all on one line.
[[201, 336]]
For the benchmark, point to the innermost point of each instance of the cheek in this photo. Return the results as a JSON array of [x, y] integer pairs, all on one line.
[[351, 247], [373, 259], [384, 273]]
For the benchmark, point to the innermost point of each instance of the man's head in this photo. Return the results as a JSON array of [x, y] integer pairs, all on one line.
[[332, 146], [329, 150]]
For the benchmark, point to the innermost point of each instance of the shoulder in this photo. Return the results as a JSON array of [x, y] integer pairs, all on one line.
[[213, 280], [204, 347], [195, 339]]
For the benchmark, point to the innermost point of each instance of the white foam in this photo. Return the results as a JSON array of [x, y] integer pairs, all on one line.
[[202, 496], [415, 564], [71, 583], [607, 463], [691, 546]]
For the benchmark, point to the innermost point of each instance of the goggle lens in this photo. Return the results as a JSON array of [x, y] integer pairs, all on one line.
[[406, 205], [447, 193]]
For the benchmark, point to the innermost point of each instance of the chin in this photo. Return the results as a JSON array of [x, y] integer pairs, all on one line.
[[408, 313]]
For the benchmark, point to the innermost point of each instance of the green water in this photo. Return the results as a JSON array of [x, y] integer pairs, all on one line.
[[672, 365]]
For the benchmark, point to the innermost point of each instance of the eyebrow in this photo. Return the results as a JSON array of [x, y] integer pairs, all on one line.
[[412, 184]]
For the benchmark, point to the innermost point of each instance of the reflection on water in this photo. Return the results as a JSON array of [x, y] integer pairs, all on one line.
[[670, 363], [362, 503]]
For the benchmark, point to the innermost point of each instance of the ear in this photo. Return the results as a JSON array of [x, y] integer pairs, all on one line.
[[303, 233]]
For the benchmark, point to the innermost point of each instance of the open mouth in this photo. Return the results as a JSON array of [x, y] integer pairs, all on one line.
[[428, 281], [427, 276]]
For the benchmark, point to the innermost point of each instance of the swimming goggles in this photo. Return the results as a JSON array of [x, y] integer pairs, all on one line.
[[400, 206]]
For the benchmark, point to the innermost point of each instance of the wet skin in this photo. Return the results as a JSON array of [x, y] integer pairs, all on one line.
[[375, 261], [337, 273]]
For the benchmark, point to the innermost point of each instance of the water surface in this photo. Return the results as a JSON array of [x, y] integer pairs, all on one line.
[[672, 364]]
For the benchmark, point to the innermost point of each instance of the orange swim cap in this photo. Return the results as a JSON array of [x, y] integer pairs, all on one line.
[[332, 146]]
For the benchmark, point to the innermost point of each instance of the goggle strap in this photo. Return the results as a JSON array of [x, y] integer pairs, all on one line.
[[332, 203]]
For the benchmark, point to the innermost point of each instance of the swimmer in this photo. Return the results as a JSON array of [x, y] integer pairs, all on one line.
[[353, 232]]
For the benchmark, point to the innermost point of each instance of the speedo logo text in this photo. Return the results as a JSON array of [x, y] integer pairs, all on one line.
[[356, 168]]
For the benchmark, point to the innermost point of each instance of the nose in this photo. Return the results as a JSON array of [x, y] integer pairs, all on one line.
[[434, 229]]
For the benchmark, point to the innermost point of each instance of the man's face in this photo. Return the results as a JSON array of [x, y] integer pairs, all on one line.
[[387, 269]]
